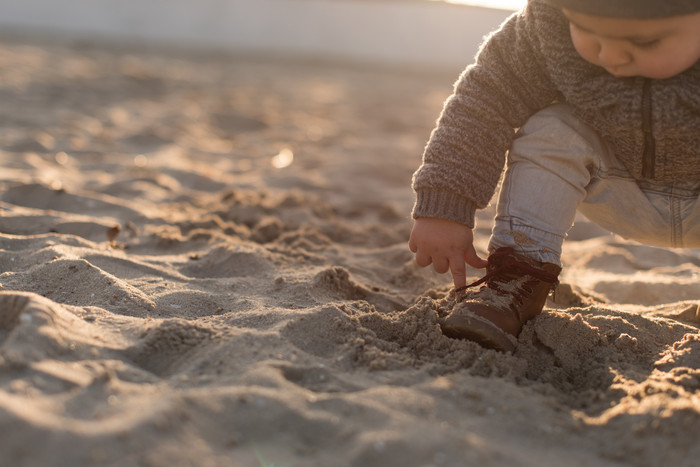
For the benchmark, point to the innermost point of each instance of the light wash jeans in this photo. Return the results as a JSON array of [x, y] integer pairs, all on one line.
[[558, 164]]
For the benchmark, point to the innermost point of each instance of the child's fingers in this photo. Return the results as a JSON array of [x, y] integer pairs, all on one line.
[[473, 259], [422, 260], [441, 265], [412, 244], [459, 272]]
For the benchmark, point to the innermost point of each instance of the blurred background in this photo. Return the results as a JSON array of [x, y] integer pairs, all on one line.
[[421, 33]]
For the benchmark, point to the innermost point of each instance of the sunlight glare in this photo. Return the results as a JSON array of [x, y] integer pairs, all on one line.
[[500, 4], [283, 159]]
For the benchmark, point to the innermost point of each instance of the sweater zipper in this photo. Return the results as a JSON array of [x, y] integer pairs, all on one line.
[[649, 154]]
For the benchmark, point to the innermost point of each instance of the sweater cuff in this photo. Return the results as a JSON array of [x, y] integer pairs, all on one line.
[[444, 205]]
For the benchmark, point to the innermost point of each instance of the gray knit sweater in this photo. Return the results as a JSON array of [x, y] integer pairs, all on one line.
[[653, 126]]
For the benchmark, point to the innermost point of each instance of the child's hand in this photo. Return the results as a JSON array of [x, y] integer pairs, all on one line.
[[445, 244]]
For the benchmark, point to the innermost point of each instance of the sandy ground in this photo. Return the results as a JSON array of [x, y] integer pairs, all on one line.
[[258, 305]]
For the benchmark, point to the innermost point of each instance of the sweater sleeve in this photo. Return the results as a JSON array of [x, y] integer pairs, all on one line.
[[508, 82]]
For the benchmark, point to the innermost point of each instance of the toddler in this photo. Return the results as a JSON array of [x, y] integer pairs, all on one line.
[[597, 105]]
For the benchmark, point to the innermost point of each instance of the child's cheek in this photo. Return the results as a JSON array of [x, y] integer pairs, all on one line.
[[585, 46]]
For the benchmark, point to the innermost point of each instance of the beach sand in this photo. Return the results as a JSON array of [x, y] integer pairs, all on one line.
[[204, 262]]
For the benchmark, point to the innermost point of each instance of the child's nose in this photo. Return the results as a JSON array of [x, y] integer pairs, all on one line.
[[613, 54]]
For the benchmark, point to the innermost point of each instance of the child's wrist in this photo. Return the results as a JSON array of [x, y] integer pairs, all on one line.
[[444, 205]]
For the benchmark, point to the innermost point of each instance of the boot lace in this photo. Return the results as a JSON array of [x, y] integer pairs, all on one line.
[[502, 268]]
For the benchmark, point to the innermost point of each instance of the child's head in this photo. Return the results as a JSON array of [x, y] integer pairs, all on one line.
[[650, 38]]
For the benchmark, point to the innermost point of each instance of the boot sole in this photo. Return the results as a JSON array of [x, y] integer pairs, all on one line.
[[472, 327]]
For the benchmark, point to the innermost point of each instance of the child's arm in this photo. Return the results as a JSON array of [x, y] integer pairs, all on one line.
[[508, 83], [446, 245], [465, 156]]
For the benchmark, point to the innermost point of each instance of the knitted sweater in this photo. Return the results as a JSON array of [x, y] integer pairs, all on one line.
[[653, 126]]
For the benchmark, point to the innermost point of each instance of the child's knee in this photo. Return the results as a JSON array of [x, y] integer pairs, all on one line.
[[556, 139]]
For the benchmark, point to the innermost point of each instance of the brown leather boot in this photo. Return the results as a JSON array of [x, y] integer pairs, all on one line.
[[515, 290]]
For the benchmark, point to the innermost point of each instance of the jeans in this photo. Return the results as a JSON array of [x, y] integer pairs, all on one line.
[[558, 164]]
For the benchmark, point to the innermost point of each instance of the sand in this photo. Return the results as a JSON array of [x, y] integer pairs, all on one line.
[[204, 262]]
